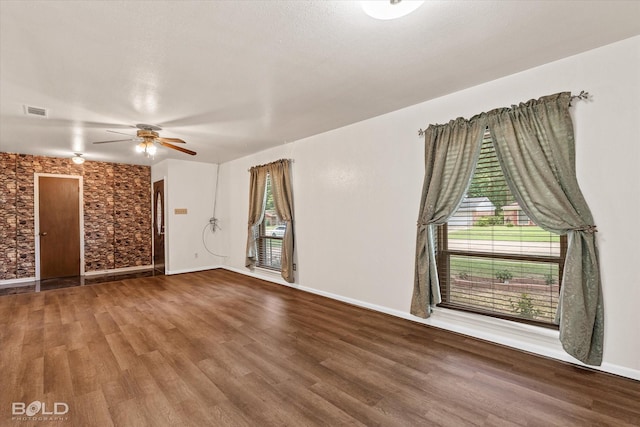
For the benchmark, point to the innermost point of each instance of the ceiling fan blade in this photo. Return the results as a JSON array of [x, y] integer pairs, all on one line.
[[175, 147], [174, 140], [121, 133], [115, 140]]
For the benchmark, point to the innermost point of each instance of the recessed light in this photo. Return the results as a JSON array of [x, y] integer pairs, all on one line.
[[391, 9]]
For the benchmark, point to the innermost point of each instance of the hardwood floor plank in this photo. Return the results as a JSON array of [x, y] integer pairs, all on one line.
[[106, 323], [91, 410], [36, 319], [31, 347], [105, 363], [128, 413], [206, 391], [123, 352], [219, 348], [169, 382], [52, 310], [120, 390], [54, 335], [279, 409], [226, 414], [136, 339], [252, 406], [365, 414], [73, 334], [30, 381], [57, 374], [317, 409], [84, 380]]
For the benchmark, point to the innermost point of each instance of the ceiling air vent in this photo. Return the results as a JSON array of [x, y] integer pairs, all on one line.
[[30, 110]]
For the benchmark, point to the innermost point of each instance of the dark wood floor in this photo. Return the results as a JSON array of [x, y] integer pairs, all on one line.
[[68, 282], [217, 348]]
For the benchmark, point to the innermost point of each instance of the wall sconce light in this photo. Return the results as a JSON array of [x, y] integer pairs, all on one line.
[[78, 159]]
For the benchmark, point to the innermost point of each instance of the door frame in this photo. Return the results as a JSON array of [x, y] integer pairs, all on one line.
[[166, 223], [36, 211]]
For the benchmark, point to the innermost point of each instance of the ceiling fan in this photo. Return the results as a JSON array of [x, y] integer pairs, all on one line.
[[147, 138]]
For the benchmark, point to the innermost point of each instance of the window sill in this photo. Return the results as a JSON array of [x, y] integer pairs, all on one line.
[[496, 315], [277, 273], [535, 339]]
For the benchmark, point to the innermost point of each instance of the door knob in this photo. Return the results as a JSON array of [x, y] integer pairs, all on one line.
[[43, 233]]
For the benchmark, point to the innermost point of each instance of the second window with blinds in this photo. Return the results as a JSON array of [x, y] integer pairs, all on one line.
[[272, 230], [492, 258]]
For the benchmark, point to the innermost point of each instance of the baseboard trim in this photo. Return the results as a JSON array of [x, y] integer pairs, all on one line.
[[16, 283], [192, 270], [118, 270], [533, 339], [262, 274]]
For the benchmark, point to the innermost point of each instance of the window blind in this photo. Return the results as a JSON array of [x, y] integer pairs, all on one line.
[[271, 233], [492, 257]]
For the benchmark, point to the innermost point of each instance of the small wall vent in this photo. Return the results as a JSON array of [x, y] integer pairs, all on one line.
[[30, 110]]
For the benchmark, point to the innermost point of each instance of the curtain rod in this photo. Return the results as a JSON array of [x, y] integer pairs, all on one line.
[[582, 95], [266, 164]]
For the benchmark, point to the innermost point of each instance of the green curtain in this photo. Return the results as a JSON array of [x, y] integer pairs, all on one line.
[[451, 153], [535, 146], [279, 172]]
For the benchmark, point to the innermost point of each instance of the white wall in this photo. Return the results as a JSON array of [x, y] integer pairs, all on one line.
[[189, 185], [357, 192]]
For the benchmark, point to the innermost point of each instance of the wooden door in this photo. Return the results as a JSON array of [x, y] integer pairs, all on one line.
[[158, 226], [59, 233]]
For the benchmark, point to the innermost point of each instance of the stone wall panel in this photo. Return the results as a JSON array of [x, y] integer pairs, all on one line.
[[116, 204]]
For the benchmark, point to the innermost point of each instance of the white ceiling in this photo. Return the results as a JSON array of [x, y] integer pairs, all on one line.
[[237, 77]]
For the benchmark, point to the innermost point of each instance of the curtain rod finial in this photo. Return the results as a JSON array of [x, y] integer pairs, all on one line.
[[582, 95]]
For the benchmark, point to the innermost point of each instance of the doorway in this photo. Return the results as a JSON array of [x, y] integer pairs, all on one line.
[[158, 227], [58, 226]]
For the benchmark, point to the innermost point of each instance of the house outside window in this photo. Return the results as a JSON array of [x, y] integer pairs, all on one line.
[[271, 234], [492, 259]]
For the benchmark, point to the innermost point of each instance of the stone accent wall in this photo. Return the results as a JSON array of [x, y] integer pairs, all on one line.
[[132, 215], [8, 217], [117, 213], [99, 223]]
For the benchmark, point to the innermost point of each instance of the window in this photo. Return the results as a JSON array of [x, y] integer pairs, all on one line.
[[492, 258], [271, 233]]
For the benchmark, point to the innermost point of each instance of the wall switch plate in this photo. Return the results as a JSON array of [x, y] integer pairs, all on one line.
[[294, 267], [180, 211]]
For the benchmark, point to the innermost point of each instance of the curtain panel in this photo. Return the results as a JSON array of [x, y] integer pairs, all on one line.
[[451, 153], [257, 200], [280, 174], [535, 146]]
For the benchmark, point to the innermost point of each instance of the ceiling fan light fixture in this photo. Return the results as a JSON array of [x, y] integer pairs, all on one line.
[[147, 147], [147, 140], [78, 159], [391, 9]]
